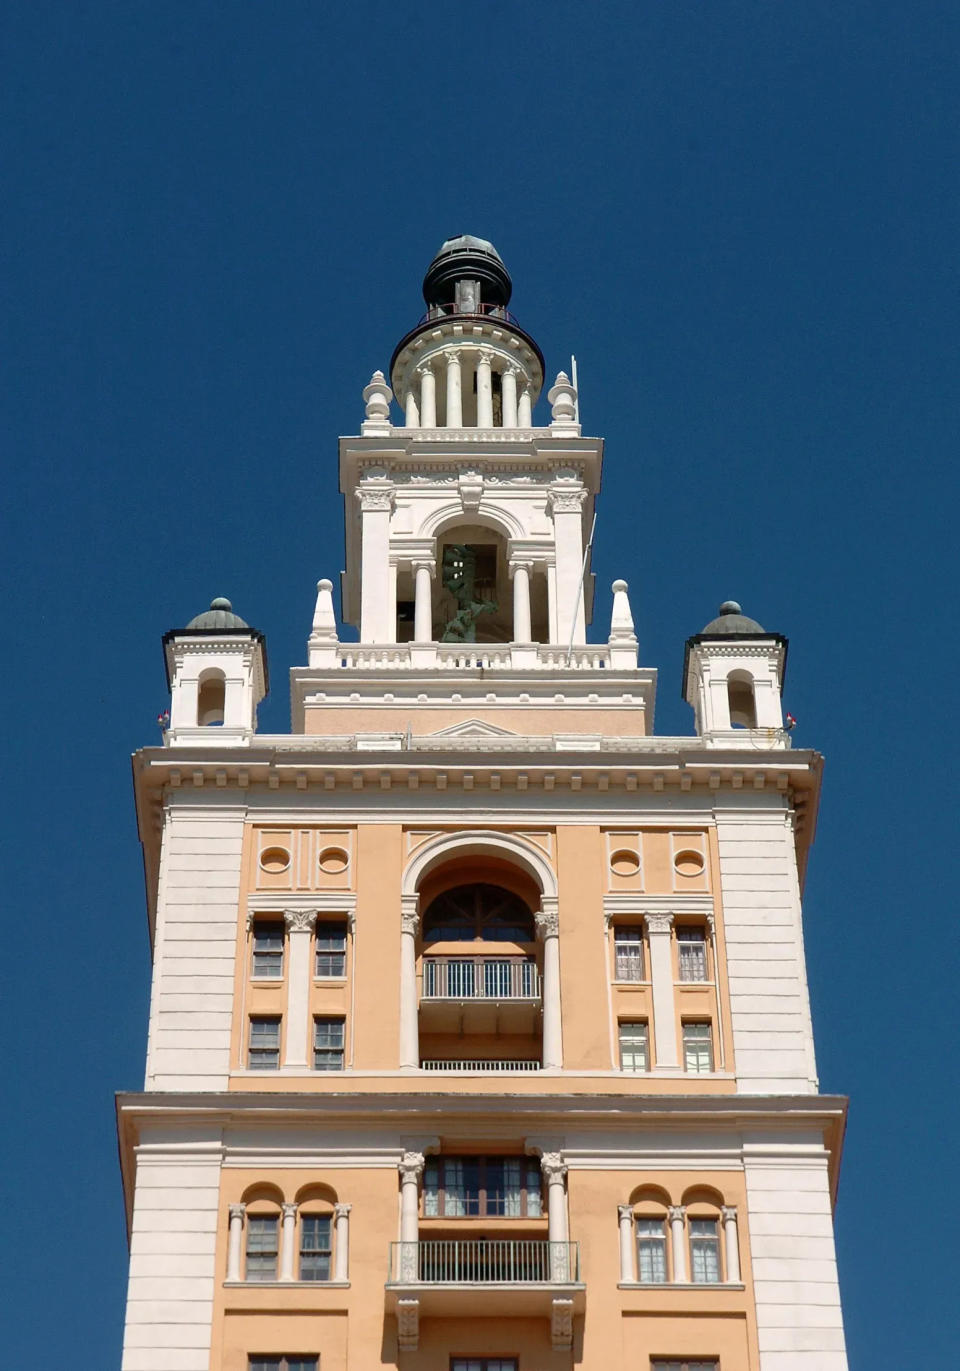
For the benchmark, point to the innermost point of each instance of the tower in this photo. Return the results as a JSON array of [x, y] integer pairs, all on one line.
[[479, 1032]]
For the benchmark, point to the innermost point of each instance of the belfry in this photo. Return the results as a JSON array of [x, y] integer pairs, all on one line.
[[479, 1032]]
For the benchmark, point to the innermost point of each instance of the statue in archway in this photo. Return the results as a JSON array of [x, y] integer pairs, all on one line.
[[458, 575]]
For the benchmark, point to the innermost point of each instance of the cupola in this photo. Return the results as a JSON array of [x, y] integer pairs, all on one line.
[[217, 674], [733, 673]]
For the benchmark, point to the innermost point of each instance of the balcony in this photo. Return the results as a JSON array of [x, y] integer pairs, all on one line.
[[499, 1277], [479, 995]]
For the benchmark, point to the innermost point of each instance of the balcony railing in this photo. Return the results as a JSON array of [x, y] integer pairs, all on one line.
[[484, 1261], [480, 978], [480, 1064]]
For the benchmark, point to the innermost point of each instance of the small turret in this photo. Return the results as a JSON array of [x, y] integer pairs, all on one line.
[[217, 674], [733, 675]]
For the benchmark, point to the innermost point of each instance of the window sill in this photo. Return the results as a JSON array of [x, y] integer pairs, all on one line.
[[287, 1285], [329, 980], [680, 1285], [632, 985]]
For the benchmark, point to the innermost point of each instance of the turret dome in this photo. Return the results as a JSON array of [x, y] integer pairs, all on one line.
[[730, 622], [219, 616], [467, 258]]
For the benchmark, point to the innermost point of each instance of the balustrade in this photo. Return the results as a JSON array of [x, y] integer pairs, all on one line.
[[480, 978], [484, 1261]]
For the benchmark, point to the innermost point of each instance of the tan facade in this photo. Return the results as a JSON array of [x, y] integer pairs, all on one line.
[[479, 1033]]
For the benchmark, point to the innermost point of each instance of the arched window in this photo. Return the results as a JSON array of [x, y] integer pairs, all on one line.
[[211, 698], [743, 706], [704, 1236], [652, 1235], [478, 913], [263, 1234]]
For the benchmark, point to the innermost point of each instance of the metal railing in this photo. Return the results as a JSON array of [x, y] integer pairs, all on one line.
[[480, 1064], [484, 1261], [480, 978]]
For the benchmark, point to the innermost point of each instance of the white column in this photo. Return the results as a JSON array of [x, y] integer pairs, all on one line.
[[235, 1243], [509, 396], [522, 630], [341, 1245], [525, 408], [378, 613], [484, 390], [411, 1169], [409, 1030], [423, 609], [428, 396], [288, 1241], [661, 976], [628, 1265], [731, 1246], [454, 391], [566, 506], [548, 928], [553, 1168], [300, 924], [676, 1214], [411, 410]]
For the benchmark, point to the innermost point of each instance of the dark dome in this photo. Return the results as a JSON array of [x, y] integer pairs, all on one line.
[[731, 622], [467, 258], [220, 616]]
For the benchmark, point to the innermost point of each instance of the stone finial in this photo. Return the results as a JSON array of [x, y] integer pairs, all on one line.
[[563, 400], [324, 623], [621, 620], [377, 396]]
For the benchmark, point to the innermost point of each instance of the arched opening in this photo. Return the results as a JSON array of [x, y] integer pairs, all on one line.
[[480, 977], [740, 698], [211, 698]]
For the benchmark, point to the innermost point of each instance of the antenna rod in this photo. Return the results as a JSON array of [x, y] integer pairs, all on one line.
[[576, 388], [583, 573]]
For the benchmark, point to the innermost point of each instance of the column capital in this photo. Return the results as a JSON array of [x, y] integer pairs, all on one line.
[[485, 356], [351, 922], [410, 914], [658, 923], [728, 1212], [625, 1213], [711, 921], [299, 920], [251, 920], [513, 369], [452, 355], [564, 499], [553, 1166], [376, 498], [547, 922], [677, 1213], [425, 367], [520, 564], [237, 1211], [289, 1211], [411, 1166], [424, 564], [342, 1211]]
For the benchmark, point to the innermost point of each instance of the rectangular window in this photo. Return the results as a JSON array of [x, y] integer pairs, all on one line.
[[331, 950], [283, 1363], [710, 1365], [267, 950], [634, 1047], [628, 952], [262, 1233], [482, 1187], [651, 1251], [697, 1047], [316, 1250], [483, 1364], [692, 951], [264, 1044], [328, 1044], [704, 1252]]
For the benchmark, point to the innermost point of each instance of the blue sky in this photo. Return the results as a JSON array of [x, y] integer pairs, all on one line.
[[742, 217]]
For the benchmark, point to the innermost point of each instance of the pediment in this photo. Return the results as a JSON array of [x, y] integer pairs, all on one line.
[[473, 728]]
